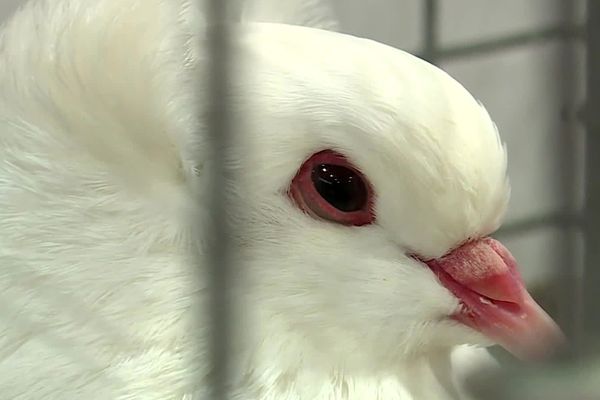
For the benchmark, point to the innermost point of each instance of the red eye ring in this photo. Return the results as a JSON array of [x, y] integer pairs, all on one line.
[[327, 186]]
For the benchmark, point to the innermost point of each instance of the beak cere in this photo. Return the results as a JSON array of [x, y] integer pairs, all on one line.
[[483, 275]]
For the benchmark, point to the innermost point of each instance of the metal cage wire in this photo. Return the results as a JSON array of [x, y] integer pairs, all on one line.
[[578, 281]]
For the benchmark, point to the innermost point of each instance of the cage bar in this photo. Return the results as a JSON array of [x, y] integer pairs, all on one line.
[[591, 281], [217, 233]]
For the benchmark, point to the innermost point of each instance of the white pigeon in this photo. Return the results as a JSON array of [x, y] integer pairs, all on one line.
[[366, 183]]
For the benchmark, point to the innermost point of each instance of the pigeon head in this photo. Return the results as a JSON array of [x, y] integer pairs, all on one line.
[[370, 183]]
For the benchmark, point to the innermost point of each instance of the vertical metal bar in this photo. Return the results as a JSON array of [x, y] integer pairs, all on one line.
[[430, 33], [591, 284], [568, 284], [217, 236]]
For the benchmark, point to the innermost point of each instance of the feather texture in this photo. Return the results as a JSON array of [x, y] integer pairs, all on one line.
[[102, 135]]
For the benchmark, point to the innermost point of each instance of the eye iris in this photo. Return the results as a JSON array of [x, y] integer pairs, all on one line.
[[339, 186]]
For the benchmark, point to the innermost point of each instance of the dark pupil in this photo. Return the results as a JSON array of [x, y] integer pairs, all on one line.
[[340, 186]]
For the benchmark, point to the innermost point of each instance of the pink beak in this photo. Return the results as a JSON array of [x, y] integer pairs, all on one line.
[[483, 275]]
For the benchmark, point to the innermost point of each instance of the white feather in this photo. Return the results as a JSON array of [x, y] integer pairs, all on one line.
[[102, 143]]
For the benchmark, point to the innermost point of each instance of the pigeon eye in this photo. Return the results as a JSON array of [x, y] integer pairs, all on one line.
[[329, 187], [342, 187]]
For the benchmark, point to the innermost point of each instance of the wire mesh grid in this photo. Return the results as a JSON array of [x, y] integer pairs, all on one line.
[[579, 282]]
